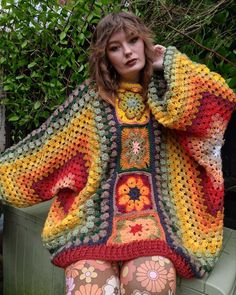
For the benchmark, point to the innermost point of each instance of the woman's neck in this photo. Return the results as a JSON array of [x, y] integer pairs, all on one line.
[[134, 87]]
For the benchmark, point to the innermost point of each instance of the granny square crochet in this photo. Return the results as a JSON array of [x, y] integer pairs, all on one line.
[[139, 179]]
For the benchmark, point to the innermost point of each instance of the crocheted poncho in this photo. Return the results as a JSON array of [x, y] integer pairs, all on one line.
[[137, 179]]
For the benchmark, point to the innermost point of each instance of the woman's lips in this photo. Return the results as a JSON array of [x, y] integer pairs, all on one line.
[[131, 62]]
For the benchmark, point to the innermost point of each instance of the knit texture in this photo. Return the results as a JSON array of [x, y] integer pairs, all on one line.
[[143, 178]]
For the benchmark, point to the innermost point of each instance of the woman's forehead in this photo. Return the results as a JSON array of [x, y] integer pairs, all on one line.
[[121, 33]]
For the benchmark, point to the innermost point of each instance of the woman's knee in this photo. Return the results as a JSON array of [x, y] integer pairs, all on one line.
[[92, 277], [148, 275]]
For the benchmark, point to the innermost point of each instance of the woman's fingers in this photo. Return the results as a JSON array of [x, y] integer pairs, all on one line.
[[159, 52], [159, 48]]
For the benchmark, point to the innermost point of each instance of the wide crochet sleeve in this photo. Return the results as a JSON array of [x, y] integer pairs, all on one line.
[[54, 159], [194, 98], [194, 106]]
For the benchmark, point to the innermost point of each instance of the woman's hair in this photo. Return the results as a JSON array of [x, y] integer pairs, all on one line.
[[101, 70]]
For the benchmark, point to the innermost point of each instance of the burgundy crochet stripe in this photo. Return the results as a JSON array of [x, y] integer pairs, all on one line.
[[124, 252]]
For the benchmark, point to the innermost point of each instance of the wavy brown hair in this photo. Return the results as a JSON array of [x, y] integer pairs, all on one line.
[[101, 70]]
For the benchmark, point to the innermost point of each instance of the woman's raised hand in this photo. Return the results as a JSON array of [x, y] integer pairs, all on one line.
[[159, 57]]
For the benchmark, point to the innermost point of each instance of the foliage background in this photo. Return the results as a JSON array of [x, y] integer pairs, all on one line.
[[44, 46], [43, 54]]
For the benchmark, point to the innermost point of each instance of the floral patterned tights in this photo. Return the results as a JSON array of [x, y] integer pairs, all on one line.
[[141, 276]]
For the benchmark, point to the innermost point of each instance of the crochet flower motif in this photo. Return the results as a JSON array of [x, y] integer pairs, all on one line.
[[131, 104], [146, 226], [135, 148], [133, 193]]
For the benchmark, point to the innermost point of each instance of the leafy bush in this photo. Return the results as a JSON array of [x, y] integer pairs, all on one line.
[[204, 30], [44, 46], [43, 54]]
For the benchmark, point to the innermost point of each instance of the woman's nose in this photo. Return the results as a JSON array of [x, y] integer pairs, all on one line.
[[127, 50]]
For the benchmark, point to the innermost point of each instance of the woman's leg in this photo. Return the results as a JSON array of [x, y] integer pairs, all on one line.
[[92, 277], [148, 275]]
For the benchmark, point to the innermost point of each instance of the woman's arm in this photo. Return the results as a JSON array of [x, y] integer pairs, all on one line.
[[194, 98], [195, 106], [52, 160]]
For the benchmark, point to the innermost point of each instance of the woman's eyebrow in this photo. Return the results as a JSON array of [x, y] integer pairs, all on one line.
[[113, 41]]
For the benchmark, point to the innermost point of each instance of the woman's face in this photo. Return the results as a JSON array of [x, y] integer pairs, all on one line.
[[126, 54]]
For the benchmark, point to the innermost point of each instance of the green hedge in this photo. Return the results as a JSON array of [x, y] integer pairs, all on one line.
[[43, 53], [204, 30], [44, 46]]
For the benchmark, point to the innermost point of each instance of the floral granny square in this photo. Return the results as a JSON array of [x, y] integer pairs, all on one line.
[[145, 226], [135, 148], [133, 192]]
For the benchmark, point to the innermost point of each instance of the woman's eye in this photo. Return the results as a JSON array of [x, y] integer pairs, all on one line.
[[134, 40], [114, 48]]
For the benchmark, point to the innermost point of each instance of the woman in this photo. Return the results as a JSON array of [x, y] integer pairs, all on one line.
[[133, 161]]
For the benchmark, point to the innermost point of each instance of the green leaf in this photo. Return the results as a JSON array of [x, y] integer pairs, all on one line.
[[35, 74], [81, 68], [13, 118], [32, 64], [222, 16], [20, 77], [62, 35], [24, 44], [232, 82], [7, 88], [64, 42], [37, 105], [45, 114], [2, 60], [81, 36]]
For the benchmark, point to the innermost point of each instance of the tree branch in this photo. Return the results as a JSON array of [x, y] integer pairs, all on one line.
[[202, 46]]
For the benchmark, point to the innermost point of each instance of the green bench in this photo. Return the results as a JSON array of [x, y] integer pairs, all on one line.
[[28, 271]]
